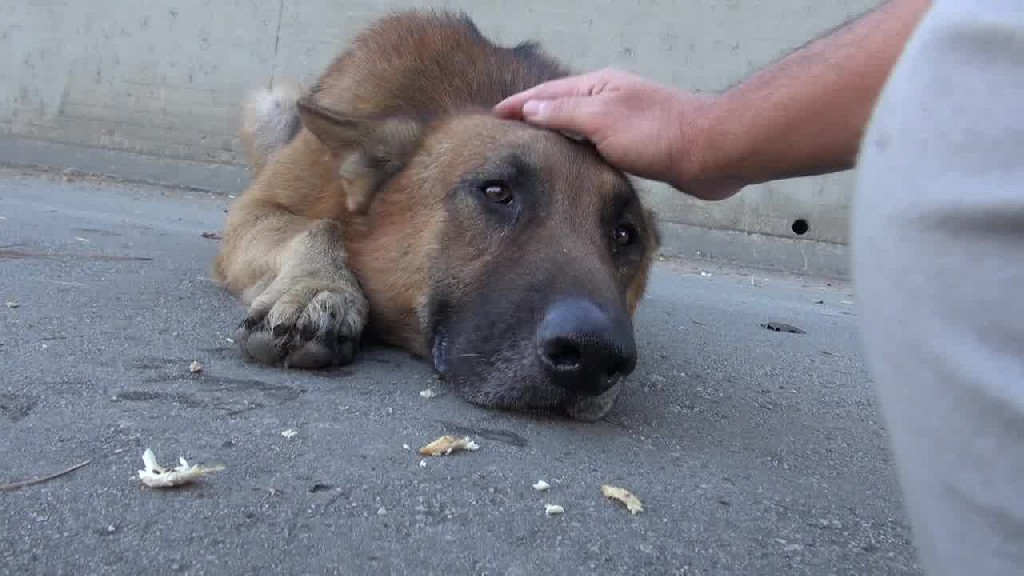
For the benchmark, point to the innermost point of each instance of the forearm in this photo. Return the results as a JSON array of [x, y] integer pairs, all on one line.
[[806, 114]]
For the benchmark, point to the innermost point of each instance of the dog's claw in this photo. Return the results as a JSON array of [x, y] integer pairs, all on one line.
[[247, 323], [308, 332]]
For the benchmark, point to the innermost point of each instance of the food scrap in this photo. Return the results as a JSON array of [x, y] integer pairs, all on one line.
[[289, 433], [625, 496], [156, 476], [541, 486], [195, 367], [782, 327], [428, 393], [553, 509], [12, 304], [447, 444]]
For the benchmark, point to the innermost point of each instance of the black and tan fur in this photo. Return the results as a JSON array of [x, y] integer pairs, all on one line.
[[389, 204]]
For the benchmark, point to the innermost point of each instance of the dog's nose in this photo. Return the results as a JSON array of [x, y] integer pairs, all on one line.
[[584, 348]]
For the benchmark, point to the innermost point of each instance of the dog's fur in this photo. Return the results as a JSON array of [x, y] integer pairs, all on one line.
[[388, 203]]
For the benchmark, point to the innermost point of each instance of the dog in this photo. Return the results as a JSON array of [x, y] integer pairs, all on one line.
[[388, 204]]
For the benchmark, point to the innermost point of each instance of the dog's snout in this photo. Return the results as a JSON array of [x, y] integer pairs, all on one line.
[[584, 348]]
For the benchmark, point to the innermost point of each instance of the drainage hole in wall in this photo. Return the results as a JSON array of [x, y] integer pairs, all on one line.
[[800, 227]]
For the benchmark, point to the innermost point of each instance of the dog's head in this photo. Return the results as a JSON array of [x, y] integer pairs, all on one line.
[[512, 257]]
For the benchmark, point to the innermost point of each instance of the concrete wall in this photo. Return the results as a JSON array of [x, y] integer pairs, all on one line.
[[165, 77]]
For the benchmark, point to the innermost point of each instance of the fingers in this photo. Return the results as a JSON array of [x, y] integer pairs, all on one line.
[[582, 85], [576, 114]]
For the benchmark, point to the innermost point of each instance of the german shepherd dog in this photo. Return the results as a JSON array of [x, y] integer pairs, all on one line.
[[388, 204]]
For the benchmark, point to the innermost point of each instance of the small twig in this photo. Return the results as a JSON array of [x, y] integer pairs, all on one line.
[[24, 483]]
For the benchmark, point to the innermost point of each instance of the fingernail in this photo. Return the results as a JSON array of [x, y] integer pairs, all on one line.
[[533, 108]]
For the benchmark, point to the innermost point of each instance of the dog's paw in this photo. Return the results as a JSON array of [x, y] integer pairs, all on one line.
[[308, 324]]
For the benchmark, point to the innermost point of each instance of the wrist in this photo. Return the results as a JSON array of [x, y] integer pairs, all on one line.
[[708, 147]]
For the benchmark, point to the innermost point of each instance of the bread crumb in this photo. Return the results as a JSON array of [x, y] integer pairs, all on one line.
[[625, 496], [428, 393], [541, 486], [156, 476], [195, 367], [447, 444], [553, 509], [290, 433]]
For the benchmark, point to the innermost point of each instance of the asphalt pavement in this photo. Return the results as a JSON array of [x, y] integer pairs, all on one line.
[[753, 451]]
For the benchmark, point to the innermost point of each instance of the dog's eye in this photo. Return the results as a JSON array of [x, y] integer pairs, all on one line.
[[497, 192], [624, 235]]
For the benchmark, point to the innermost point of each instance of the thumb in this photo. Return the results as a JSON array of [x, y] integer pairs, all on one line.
[[576, 114]]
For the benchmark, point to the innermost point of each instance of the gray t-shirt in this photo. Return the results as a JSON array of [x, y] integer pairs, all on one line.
[[938, 260]]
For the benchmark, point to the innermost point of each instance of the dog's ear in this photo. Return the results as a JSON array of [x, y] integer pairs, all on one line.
[[370, 150], [654, 227]]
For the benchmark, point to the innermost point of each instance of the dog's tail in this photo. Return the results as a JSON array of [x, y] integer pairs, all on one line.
[[270, 120]]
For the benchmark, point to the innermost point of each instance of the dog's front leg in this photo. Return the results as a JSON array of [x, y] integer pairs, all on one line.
[[306, 308]]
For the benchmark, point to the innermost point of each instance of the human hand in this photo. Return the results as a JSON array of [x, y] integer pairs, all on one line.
[[637, 125]]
